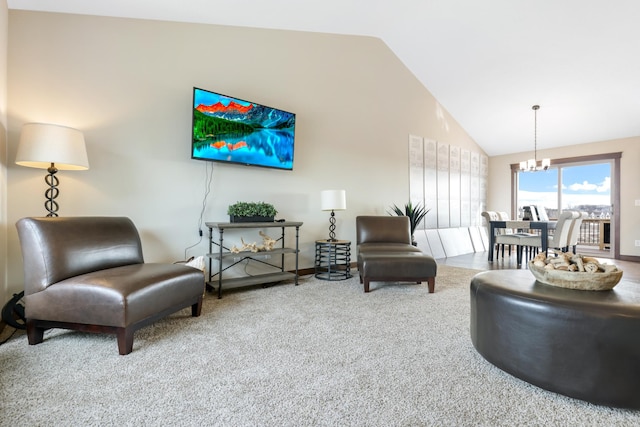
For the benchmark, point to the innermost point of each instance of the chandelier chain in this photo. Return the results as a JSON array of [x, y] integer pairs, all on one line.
[[531, 165], [535, 132]]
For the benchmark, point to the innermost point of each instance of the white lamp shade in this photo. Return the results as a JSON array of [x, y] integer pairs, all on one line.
[[333, 200], [42, 144]]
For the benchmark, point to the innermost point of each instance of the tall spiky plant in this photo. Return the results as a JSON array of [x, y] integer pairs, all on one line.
[[415, 213]]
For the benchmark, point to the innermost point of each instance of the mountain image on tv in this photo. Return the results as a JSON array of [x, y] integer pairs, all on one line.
[[254, 115], [233, 130]]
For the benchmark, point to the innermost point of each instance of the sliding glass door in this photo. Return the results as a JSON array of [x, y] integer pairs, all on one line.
[[584, 184]]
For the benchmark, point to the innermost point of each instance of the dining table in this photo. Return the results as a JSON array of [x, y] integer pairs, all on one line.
[[543, 226]]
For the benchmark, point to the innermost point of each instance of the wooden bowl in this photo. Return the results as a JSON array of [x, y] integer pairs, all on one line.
[[576, 279]]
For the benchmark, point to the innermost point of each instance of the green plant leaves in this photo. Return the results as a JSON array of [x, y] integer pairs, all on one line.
[[252, 209], [415, 213]]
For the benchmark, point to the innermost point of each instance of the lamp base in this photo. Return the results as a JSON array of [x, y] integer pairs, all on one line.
[[52, 192], [332, 227]]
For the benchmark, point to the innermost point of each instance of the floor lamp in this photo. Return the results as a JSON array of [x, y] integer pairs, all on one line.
[[333, 200], [53, 148]]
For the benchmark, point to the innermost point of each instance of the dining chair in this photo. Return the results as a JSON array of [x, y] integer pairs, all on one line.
[[530, 213], [558, 240], [574, 231], [520, 248], [542, 213], [503, 236]]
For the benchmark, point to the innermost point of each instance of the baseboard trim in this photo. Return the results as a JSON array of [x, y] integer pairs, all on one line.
[[305, 271]]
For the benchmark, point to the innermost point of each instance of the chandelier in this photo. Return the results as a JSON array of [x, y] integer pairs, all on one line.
[[531, 165]]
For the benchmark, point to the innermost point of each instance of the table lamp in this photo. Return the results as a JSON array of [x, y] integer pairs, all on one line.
[[51, 147], [333, 200]]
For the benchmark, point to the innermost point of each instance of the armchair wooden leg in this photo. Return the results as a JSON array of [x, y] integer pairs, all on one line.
[[35, 335], [196, 308], [125, 340], [431, 283]]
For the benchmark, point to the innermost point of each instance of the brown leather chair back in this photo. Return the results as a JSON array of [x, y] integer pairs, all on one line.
[[54, 249], [383, 229]]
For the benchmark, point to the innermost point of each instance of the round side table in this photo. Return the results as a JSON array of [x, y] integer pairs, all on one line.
[[333, 259]]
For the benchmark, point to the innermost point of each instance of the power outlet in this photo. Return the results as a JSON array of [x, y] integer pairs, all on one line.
[[637, 202], [637, 242]]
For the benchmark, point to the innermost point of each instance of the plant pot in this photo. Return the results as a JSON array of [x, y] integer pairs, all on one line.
[[234, 218]]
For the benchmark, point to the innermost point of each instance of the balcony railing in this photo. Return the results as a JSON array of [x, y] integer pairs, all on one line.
[[595, 232]]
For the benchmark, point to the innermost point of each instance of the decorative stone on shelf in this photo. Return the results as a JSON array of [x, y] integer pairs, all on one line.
[[572, 271]]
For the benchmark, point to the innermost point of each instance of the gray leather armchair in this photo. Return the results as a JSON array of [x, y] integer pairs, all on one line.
[[88, 274]]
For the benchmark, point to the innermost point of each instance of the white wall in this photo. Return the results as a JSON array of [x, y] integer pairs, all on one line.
[[127, 84], [500, 176]]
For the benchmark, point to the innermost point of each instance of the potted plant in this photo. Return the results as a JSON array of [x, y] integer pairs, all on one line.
[[415, 213], [251, 212]]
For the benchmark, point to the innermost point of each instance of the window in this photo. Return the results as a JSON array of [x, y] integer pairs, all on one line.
[[538, 189], [584, 187], [587, 188]]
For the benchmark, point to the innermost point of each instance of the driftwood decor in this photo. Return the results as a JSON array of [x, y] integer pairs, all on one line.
[[574, 271], [267, 245]]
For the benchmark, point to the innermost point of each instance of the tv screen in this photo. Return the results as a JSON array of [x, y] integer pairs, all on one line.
[[232, 130]]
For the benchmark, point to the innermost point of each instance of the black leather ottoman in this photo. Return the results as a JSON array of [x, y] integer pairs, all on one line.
[[397, 267], [583, 344]]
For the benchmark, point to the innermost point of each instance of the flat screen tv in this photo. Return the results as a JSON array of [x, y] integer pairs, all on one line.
[[232, 130]]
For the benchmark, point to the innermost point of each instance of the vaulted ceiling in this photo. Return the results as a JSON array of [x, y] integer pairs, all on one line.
[[487, 62]]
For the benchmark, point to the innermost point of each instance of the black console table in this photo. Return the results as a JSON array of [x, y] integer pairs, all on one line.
[[219, 252]]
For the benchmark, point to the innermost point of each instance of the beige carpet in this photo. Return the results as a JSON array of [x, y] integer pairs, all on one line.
[[320, 354]]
